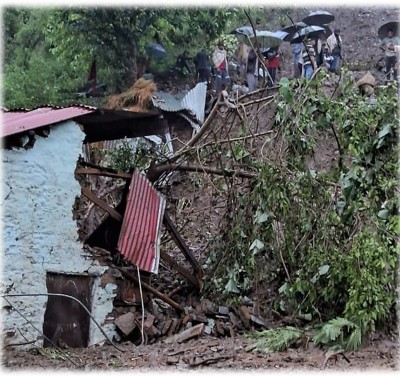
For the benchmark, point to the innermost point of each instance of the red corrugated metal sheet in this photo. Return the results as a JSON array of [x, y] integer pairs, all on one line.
[[139, 240], [14, 122]]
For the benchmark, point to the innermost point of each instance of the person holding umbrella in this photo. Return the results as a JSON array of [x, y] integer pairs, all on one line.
[[388, 45], [308, 59], [334, 44]]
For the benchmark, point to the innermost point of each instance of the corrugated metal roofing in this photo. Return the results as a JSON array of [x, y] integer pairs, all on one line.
[[193, 101], [16, 121], [139, 240]]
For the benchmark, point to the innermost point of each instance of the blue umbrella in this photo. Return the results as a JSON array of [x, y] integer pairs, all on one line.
[[156, 50]]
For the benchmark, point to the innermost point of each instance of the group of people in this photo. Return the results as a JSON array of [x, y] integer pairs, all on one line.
[[204, 70], [313, 53], [308, 56]]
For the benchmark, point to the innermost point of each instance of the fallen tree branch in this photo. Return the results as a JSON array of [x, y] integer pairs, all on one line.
[[250, 94], [156, 170], [199, 134], [258, 100]]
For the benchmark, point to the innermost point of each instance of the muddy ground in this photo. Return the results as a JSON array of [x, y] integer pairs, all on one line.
[[206, 353], [359, 27]]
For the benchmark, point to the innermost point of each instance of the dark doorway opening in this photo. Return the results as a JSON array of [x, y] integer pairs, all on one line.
[[66, 323]]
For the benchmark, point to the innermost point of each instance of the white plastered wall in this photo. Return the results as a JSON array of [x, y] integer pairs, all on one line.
[[39, 233]]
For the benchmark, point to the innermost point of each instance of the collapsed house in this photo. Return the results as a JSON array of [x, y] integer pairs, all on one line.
[[45, 150]]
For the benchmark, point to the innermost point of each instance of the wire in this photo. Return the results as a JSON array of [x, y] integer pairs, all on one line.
[[68, 296], [27, 320], [141, 299]]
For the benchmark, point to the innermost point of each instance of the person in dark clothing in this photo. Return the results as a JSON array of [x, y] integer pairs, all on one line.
[[319, 52], [202, 67], [182, 63], [252, 71]]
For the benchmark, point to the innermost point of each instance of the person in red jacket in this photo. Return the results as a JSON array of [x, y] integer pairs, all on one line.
[[272, 64]]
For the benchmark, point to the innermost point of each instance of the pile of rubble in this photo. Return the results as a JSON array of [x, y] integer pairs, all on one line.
[[161, 323]]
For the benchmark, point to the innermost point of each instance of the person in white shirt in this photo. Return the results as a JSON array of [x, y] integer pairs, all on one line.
[[334, 44], [220, 62]]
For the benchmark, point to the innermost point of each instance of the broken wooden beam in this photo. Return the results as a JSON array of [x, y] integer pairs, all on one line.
[[186, 334], [95, 171], [183, 247], [82, 162], [152, 290], [102, 204]]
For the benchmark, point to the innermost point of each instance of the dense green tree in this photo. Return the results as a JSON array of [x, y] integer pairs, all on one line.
[[32, 75], [47, 51], [117, 36]]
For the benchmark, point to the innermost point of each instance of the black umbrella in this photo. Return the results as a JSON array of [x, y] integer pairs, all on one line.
[[319, 17], [281, 34], [156, 50], [292, 30], [383, 30], [311, 31]]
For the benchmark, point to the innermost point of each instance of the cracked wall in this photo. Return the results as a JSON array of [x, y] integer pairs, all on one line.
[[39, 233]]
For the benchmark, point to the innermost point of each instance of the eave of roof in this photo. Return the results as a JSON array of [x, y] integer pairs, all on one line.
[[21, 120]]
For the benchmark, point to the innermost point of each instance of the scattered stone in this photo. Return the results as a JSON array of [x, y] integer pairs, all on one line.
[[126, 323]]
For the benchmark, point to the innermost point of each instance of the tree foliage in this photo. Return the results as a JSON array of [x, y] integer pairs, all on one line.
[[328, 238], [48, 50]]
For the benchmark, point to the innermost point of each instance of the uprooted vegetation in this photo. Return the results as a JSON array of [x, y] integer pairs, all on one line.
[[289, 197]]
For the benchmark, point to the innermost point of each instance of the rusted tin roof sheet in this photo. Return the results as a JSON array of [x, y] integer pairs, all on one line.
[[14, 122], [139, 240], [193, 101]]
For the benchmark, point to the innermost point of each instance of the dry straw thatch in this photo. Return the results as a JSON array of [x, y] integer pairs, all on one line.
[[138, 98]]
